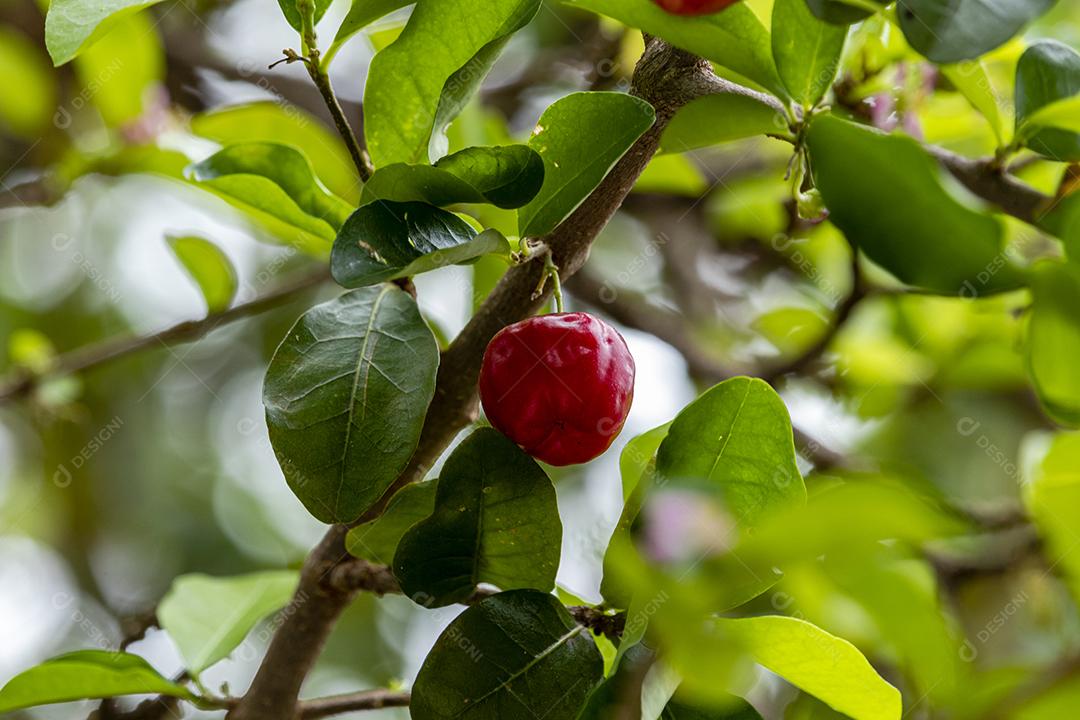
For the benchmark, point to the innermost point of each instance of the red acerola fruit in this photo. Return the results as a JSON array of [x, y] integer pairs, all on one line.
[[694, 7], [560, 386]]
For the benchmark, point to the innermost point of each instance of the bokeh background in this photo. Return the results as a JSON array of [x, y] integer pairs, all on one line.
[[115, 481]]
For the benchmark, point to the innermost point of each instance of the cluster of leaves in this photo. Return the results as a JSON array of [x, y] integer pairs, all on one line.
[[716, 509]]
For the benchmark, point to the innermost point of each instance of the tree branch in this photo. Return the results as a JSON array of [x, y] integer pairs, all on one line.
[[110, 350], [995, 185], [341, 704]]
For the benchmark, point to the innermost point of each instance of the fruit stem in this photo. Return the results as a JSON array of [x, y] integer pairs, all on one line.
[[552, 271]]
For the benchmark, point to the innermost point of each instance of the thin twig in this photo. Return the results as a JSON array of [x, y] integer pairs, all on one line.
[[358, 153], [341, 704], [110, 350]]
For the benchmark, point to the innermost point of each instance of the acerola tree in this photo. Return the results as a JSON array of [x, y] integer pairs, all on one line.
[[743, 541]]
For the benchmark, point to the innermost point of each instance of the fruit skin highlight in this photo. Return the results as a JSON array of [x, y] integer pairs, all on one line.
[[559, 385], [694, 7]]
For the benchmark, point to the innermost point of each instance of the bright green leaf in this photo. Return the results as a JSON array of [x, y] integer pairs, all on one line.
[[973, 82], [209, 267], [418, 84], [806, 50], [886, 194], [517, 654], [638, 454], [29, 97], [346, 394], [73, 25], [208, 617], [580, 138], [377, 540], [85, 674], [507, 177], [361, 14], [1053, 498], [270, 122], [1053, 341], [947, 31], [496, 521], [823, 665], [386, 240], [715, 119], [1049, 72], [122, 71], [734, 38], [292, 15]]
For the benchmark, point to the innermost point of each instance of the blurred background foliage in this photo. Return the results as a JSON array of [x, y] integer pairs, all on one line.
[[115, 481]]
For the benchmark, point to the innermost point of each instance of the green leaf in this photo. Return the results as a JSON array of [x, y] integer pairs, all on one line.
[[1049, 72], [270, 122], [734, 38], [517, 654], [346, 394], [580, 138], [843, 12], [86, 674], [120, 73], [292, 15], [715, 119], [361, 14], [209, 267], [283, 165], [496, 521], [823, 665], [974, 83], [71, 26], [736, 709], [377, 540], [507, 177], [1053, 499], [1053, 341], [638, 455], [208, 617], [947, 31], [419, 83], [806, 50], [30, 88], [738, 436], [386, 240], [886, 194]]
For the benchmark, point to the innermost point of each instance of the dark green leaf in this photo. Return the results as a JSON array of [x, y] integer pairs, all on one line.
[[496, 521], [346, 394], [85, 674], [735, 709], [208, 617], [840, 12], [715, 119], [270, 122], [737, 436], [886, 194], [1053, 343], [209, 267], [292, 15], [507, 177], [517, 654], [418, 83], [806, 50], [386, 240], [734, 38], [73, 25], [580, 138], [378, 540], [1048, 72], [948, 31], [361, 14]]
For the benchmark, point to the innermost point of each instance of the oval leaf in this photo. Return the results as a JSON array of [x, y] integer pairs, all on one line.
[[947, 31], [407, 99], [580, 138], [346, 394], [386, 240], [734, 38], [507, 177], [209, 267], [73, 25], [361, 14], [377, 540], [496, 521], [517, 654], [886, 194], [715, 119], [1049, 72], [1053, 342], [823, 665], [806, 50], [83, 675], [208, 617]]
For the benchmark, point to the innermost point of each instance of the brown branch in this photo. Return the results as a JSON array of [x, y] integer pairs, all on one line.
[[665, 77], [993, 184], [110, 350], [341, 704]]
